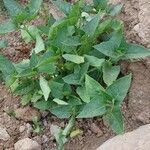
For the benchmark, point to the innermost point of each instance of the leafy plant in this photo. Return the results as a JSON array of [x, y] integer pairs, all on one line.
[[73, 70]]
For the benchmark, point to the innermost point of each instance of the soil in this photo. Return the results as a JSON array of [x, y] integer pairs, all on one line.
[[136, 107]]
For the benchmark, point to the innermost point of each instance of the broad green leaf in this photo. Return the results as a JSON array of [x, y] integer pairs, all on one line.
[[94, 61], [72, 41], [56, 89], [26, 99], [116, 9], [47, 68], [135, 51], [101, 4], [92, 25], [45, 87], [13, 7], [62, 111], [92, 86], [94, 108], [33, 32], [34, 60], [27, 73], [39, 44], [110, 47], [118, 90], [81, 91], [115, 120], [36, 96], [42, 105], [59, 101], [72, 79], [6, 66], [34, 7], [73, 58], [110, 73], [24, 88], [7, 27], [63, 6], [3, 43], [23, 65]]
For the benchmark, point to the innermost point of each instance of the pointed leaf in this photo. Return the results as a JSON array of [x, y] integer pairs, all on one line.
[[115, 120], [81, 91], [92, 86], [94, 61], [110, 73], [118, 90], [7, 27], [59, 101], [45, 88], [95, 107], [72, 41], [135, 51], [39, 44], [91, 26], [73, 58], [115, 10], [3, 44]]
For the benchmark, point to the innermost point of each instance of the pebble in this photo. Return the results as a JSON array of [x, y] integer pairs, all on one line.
[[54, 129], [95, 129], [27, 144], [21, 129], [4, 134]]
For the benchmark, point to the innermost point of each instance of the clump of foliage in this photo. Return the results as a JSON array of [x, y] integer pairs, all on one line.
[[73, 70]]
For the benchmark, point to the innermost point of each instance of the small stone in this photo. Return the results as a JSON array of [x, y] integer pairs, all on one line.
[[138, 139], [29, 129], [54, 129], [95, 129], [22, 128], [44, 139], [26, 113], [27, 144], [4, 134]]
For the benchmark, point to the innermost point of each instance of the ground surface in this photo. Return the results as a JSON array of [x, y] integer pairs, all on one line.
[[136, 108]]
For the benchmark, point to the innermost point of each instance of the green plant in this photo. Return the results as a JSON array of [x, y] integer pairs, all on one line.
[[73, 70]]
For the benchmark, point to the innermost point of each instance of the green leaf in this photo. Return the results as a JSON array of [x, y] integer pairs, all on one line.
[[33, 30], [36, 96], [110, 73], [62, 111], [3, 43], [23, 65], [73, 58], [6, 66], [110, 47], [42, 105], [115, 120], [7, 27], [72, 79], [45, 88], [39, 44], [34, 7], [26, 99], [47, 68], [56, 89], [101, 4], [94, 61], [59, 101], [92, 86], [135, 51], [95, 107], [92, 25], [72, 41], [116, 9], [34, 60], [13, 7], [81, 91], [63, 6], [118, 90]]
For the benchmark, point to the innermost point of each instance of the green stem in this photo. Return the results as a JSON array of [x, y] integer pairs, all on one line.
[[62, 139]]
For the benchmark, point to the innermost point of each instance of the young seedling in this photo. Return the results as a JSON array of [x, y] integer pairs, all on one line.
[[73, 69]]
